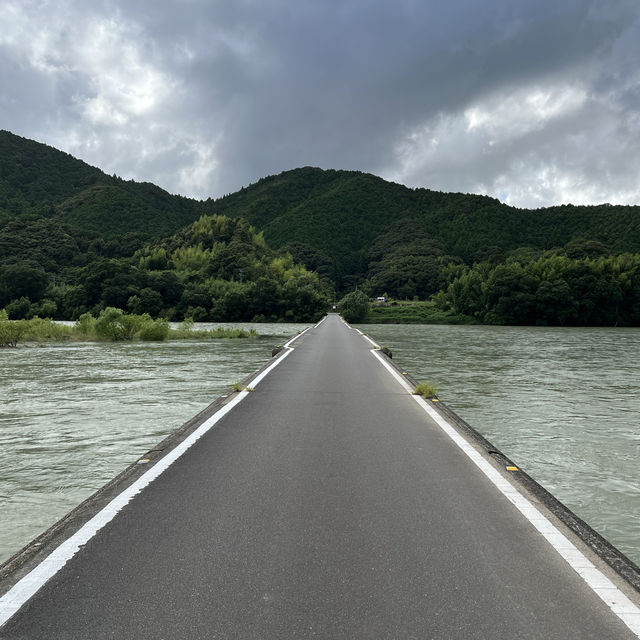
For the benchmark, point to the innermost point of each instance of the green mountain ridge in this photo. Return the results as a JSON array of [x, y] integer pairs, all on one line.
[[59, 215], [342, 216], [337, 212], [39, 181]]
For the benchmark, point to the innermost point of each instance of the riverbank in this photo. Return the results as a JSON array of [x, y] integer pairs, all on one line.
[[405, 312]]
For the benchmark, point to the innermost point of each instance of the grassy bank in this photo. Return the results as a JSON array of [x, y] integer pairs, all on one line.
[[396, 312], [110, 326]]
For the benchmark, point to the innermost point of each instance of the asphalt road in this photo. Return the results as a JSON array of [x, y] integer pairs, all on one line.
[[325, 505]]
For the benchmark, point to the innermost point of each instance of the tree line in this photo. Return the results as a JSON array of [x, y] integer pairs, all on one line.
[[551, 290], [213, 270]]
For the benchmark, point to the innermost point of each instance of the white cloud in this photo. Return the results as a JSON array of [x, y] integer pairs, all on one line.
[[122, 84], [101, 92], [532, 146], [508, 115]]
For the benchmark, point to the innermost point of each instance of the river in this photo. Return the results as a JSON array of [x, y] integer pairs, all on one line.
[[562, 403]]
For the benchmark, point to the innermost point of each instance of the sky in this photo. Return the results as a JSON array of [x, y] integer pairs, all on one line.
[[534, 102]]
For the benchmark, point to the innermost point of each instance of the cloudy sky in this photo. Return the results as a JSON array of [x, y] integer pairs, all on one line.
[[535, 102]]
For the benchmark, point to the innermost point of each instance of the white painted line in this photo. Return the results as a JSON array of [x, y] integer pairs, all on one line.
[[375, 344], [619, 604], [23, 590], [295, 338]]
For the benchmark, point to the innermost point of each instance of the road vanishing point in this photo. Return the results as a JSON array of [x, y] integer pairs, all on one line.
[[326, 502]]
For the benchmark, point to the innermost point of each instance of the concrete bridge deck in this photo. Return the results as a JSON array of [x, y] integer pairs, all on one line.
[[326, 503]]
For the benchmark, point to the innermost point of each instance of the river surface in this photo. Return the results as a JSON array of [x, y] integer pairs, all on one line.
[[564, 404]]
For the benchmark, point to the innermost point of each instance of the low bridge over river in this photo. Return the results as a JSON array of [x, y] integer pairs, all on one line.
[[325, 502]]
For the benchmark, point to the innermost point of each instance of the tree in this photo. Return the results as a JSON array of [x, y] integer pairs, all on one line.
[[147, 301], [354, 307], [22, 279]]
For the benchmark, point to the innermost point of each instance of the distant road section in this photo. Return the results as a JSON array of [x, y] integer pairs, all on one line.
[[326, 504]]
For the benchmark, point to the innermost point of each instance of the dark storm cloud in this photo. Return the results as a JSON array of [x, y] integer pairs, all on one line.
[[507, 98]]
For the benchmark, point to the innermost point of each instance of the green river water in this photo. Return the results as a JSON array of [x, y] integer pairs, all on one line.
[[562, 403]]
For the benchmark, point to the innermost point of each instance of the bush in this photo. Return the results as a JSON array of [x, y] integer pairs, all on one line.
[[109, 324], [114, 324], [156, 330], [354, 307], [46, 330], [85, 325], [187, 324], [426, 390], [209, 334], [11, 331], [132, 324]]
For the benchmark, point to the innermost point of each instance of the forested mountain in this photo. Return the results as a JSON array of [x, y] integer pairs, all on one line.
[[215, 269], [343, 213], [38, 181], [73, 238]]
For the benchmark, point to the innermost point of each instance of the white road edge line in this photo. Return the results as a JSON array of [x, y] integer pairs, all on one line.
[[615, 599], [27, 587]]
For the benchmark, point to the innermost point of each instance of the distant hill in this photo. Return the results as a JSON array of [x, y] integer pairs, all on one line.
[[342, 213], [39, 181], [59, 215], [339, 213]]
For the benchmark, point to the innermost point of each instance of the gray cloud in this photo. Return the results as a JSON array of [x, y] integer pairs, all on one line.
[[535, 102]]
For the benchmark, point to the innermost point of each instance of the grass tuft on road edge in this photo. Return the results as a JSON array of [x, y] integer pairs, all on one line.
[[426, 390]]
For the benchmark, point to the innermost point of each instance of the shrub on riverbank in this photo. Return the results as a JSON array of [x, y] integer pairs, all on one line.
[[114, 324], [10, 332], [426, 390], [187, 333], [414, 313]]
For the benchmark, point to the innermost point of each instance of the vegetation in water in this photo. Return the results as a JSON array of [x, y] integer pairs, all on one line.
[[111, 325], [13, 332], [189, 333]]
